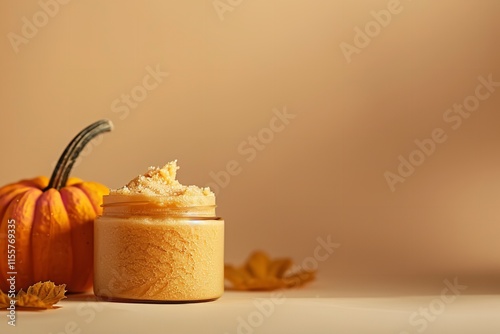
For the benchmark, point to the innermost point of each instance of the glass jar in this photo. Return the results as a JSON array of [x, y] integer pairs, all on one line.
[[151, 250]]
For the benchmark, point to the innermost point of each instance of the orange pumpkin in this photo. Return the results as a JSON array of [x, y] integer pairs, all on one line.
[[50, 223]]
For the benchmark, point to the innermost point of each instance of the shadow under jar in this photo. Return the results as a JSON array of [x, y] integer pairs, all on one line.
[[152, 250]]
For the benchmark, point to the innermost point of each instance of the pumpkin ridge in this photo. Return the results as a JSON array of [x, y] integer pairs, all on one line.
[[10, 188], [50, 240], [94, 191], [22, 210], [7, 198], [81, 213], [36, 182]]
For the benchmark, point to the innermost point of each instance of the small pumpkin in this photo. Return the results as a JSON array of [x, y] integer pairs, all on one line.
[[52, 221]]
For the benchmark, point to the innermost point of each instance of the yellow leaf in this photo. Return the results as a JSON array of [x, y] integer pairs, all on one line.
[[40, 295], [257, 264], [4, 300], [31, 301], [259, 273], [47, 292], [279, 267], [299, 278], [235, 276]]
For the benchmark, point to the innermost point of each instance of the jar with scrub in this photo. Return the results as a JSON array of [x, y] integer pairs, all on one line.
[[160, 241]]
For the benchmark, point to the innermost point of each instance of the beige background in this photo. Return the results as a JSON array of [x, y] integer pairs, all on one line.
[[324, 174]]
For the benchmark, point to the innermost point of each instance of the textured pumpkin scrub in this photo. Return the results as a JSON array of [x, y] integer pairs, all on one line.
[[159, 240]]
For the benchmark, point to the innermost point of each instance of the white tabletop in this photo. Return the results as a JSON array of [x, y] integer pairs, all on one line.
[[317, 308]]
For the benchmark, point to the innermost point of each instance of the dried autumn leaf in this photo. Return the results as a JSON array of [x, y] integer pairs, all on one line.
[[279, 267], [48, 292], [262, 273], [4, 300], [258, 264], [300, 278], [40, 295], [237, 277], [31, 301]]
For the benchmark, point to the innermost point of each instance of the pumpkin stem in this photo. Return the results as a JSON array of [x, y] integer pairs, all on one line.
[[67, 160]]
